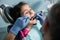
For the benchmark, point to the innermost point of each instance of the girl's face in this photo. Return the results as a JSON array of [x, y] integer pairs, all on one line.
[[27, 11]]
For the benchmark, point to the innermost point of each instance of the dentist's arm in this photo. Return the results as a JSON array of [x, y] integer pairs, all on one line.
[[20, 23], [10, 36]]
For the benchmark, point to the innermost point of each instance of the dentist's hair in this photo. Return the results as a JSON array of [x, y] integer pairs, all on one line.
[[54, 21]]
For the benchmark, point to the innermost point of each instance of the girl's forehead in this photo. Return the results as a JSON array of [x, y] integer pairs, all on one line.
[[25, 8]]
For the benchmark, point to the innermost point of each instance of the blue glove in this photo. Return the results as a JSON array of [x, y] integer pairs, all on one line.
[[39, 17], [20, 23]]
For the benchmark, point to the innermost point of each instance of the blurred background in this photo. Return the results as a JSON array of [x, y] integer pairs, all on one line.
[[36, 5]]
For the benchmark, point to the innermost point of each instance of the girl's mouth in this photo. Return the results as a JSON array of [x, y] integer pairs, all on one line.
[[34, 17]]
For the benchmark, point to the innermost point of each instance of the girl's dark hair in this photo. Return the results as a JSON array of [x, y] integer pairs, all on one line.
[[15, 13]]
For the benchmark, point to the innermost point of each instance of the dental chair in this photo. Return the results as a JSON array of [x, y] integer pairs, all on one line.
[[6, 14]]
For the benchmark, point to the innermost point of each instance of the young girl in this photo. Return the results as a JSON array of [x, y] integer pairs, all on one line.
[[31, 31]]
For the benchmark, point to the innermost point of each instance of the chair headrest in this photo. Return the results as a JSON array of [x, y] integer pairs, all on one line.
[[6, 13]]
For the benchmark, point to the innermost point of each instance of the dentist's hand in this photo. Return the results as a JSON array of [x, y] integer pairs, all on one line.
[[39, 17], [20, 23]]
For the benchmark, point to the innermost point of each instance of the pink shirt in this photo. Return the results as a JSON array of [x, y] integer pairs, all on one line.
[[23, 33]]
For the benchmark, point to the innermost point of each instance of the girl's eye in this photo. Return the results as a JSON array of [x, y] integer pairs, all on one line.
[[26, 12]]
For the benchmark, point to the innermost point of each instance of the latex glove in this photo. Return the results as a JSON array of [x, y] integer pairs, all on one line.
[[39, 17], [20, 23]]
